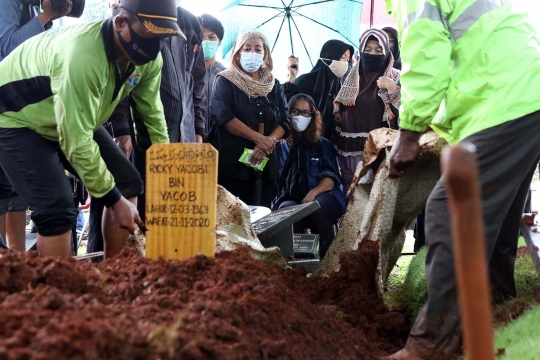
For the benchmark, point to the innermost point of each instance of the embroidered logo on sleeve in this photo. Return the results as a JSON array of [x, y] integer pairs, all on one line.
[[133, 80]]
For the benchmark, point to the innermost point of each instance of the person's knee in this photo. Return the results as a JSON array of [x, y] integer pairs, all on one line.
[[287, 204], [56, 219], [17, 204]]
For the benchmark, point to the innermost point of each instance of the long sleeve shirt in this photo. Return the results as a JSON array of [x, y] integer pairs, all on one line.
[[456, 76], [229, 102], [11, 33], [182, 86], [210, 78], [65, 83]]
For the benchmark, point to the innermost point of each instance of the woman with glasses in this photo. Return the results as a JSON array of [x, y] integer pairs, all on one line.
[[311, 172], [249, 110], [322, 83]]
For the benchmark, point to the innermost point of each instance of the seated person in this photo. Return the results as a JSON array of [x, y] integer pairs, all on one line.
[[311, 172]]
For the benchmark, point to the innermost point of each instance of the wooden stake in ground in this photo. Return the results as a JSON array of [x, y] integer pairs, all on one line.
[[181, 196], [463, 189]]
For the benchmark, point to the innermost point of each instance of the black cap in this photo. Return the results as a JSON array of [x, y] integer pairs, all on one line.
[[159, 17]]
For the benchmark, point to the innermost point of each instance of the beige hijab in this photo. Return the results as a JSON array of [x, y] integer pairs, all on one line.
[[235, 74]]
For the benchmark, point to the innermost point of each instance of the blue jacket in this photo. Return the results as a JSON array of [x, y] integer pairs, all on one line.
[[11, 33], [321, 162]]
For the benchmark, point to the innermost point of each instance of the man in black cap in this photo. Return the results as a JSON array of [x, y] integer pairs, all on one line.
[[56, 90], [182, 94]]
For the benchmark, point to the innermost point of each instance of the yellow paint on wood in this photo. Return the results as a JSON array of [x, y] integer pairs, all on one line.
[[181, 196]]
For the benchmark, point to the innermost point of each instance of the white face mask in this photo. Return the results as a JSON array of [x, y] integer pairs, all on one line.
[[300, 123], [251, 62], [338, 67]]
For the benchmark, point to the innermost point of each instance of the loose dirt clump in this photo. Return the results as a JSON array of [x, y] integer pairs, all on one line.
[[228, 307], [522, 251]]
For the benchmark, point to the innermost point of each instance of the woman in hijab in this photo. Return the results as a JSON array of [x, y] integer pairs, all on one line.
[[249, 110], [311, 172], [394, 46], [369, 99], [323, 82]]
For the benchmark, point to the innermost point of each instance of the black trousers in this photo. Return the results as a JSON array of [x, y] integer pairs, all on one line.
[[6, 190], [36, 167], [321, 221], [139, 161], [246, 189], [419, 232], [507, 157]]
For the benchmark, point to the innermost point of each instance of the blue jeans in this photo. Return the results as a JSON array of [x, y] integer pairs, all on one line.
[[80, 221]]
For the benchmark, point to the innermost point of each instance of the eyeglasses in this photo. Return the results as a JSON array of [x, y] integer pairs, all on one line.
[[305, 113]]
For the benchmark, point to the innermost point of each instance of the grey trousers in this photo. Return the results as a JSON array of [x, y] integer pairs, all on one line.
[[507, 157]]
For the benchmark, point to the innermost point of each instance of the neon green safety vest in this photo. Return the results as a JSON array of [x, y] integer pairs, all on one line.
[[473, 63]]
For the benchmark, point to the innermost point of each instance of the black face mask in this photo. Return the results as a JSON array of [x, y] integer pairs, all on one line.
[[140, 50], [372, 62]]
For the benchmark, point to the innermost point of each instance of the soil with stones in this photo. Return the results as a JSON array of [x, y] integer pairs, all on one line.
[[228, 307]]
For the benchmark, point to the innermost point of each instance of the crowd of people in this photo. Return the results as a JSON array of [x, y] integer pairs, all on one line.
[[235, 108], [84, 103]]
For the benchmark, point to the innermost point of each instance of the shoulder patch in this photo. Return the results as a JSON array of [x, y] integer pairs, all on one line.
[[133, 80]]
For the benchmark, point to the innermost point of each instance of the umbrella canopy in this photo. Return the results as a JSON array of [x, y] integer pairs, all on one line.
[[298, 27]]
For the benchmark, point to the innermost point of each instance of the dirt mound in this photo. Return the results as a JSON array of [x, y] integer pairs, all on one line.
[[228, 307]]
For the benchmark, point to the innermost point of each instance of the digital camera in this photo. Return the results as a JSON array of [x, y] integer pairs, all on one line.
[[61, 6]]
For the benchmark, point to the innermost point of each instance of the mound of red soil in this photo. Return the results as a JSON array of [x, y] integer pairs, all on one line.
[[228, 307]]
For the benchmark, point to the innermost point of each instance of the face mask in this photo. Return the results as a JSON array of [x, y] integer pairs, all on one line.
[[140, 50], [339, 68], [372, 62], [300, 123], [210, 49], [251, 62]]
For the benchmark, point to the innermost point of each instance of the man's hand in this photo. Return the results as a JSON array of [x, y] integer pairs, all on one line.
[[387, 83], [199, 139], [126, 215], [404, 152], [124, 143], [292, 66], [310, 197], [49, 14]]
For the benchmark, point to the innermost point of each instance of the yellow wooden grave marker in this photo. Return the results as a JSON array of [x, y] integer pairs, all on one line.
[[181, 196]]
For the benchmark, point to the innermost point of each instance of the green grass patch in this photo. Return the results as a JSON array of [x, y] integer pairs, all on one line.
[[521, 338], [407, 287]]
